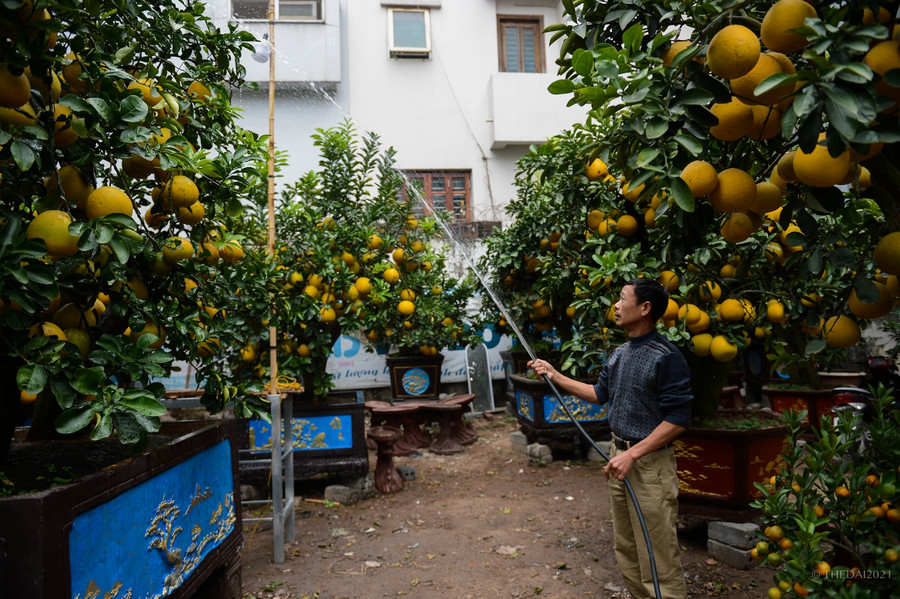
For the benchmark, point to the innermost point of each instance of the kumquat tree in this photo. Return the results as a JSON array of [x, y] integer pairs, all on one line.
[[763, 138], [122, 174]]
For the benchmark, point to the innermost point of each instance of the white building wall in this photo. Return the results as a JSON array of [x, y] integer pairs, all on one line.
[[453, 111]]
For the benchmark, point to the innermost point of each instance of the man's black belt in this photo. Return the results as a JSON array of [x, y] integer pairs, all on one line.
[[625, 444]]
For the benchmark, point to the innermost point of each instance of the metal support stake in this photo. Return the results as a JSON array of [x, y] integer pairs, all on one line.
[[277, 483]]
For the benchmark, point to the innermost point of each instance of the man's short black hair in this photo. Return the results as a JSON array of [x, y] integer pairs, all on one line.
[[648, 290]]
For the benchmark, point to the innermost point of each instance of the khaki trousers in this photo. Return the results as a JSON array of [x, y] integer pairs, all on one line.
[[655, 484]]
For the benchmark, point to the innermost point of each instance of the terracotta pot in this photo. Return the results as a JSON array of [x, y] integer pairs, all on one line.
[[841, 378], [816, 402]]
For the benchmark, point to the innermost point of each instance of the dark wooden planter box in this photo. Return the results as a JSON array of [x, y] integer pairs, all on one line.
[[543, 420], [415, 377], [164, 523], [329, 438], [717, 469], [816, 402]]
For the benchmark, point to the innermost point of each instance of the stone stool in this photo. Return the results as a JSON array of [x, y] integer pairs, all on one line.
[[387, 479], [402, 417], [448, 417], [374, 420], [466, 434]]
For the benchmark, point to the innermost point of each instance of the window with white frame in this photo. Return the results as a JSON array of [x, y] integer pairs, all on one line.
[[409, 32], [440, 191], [285, 10], [520, 44]]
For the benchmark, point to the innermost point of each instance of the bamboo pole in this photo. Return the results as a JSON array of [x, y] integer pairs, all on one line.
[[273, 360]]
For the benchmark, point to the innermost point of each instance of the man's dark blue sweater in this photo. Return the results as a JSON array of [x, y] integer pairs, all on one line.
[[646, 381]]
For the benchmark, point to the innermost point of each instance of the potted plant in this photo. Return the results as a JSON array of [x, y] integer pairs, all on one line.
[[122, 173], [786, 224]]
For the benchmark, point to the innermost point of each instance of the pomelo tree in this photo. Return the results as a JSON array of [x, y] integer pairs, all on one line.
[[354, 257], [770, 132], [122, 174]]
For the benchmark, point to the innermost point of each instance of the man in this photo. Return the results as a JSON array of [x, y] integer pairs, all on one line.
[[646, 382]]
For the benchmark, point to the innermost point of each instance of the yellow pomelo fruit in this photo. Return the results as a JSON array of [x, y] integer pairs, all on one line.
[[732, 310], [733, 51], [137, 167], [887, 253], [72, 72], [49, 91], [734, 192], [155, 220], [47, 329], [778, 22], [737, 227], [73, 184], [248, 353], [70, 316], [776, 311], [63, 133], [632, 195], [627, 225], [728, 271], [176, 249], [363, 285], [743, 87], [768, 198], [15, 90], [841, 331], [391, 275], [766, 122], [107, 200], [209, 252], [881, 307], [193, 214], [673, 50], [701, 324], [709, 291], [735, 120], [813, 330], [23, 115], [702, 344], [81, 339], [883, 57], [406, 307], [199, 90], [53, 227], [596, 170], [327, 314], [408, 294], [671, 312], [819, 168], [722, 349], [785, 166], [701, 177], [893, 284], [180, 192], [669, 280], [150, 92], [689, 313], [777, 180], [232, 251], [594, 218]]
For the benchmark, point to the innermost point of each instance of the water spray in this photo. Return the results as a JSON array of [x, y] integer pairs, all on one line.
[[533, 356]]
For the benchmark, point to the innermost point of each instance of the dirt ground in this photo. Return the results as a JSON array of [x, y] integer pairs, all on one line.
[[475, 525]]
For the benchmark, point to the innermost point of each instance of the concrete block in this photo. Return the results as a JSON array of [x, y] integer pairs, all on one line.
[[737, 534], [406, 472], [539, 454], [519, 441], [739, 559], [592, 454], [342, 494]]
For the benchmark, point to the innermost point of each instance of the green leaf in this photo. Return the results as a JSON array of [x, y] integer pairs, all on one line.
[[87, 380], [842, 97], [646, 156], [560, 86], [22, 154], [133, 109], [656, 127], [690, 144], [719, 90], [103, 429], [814, 346], [128, 429], [695, 95], [120, 247], [64, 393], [854, 72], [74, 419], [583, 62], [632, 37], [773, 81], [682, 194], [32, 378], [102, 108], [40, 275], [143, 403], [866, 290]]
